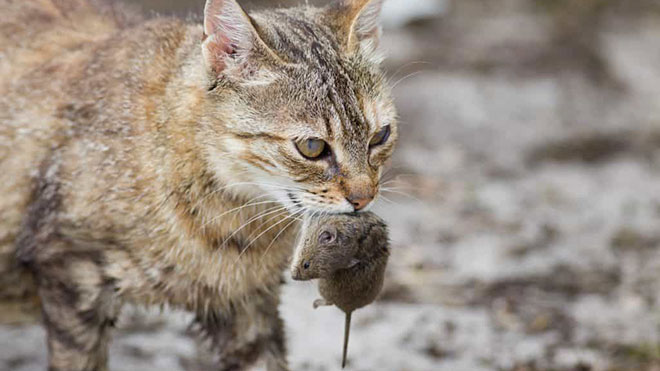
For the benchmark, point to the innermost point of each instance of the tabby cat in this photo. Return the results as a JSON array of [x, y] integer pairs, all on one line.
[[164, 162]]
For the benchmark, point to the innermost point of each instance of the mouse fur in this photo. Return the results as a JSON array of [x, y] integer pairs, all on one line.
[[348, 253]]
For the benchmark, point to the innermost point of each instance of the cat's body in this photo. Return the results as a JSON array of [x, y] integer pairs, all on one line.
[[141, 164]]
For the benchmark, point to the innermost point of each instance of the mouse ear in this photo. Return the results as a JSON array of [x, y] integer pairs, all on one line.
[[328, 235]]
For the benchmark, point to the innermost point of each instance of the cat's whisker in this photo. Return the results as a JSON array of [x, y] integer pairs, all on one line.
[[251, 202], [255, 198], [401, 193], [395, 181], [256, 238], [236, 209], [396, 184], [263, 184], [289, 186], [270, 185], [385, 199], [398, 178], [215, 192], [408, 76], [276, 237], [265, 222], [384, 174], [395, 74], [390, 171], [259, 216], [395, 188]]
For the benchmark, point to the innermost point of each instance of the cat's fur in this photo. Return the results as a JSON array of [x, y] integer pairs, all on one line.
[[154, 162]]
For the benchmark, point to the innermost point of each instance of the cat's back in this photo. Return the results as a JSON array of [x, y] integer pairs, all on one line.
[[73, 71], [70, 72], [43, 44], [32, 31], [38, 39]]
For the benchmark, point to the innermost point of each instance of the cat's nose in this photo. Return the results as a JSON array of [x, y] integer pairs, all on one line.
[[360, 191], [359, 201]]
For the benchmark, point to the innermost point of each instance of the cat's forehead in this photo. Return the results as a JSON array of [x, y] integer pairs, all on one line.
[[325, 87], [299, 34]]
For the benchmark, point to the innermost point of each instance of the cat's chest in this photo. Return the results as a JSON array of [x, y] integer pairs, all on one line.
[[189, 271]]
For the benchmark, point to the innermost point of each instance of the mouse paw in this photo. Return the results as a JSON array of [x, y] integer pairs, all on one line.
[[321, 302]]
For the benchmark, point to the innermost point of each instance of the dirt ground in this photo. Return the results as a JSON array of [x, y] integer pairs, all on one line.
[[524, 202]]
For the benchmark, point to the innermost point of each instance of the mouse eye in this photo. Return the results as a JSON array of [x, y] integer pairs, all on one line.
[[326, 237], [306, 265]]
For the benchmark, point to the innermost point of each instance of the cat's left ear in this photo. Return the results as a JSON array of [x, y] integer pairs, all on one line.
[[229, 35], [359, 22]]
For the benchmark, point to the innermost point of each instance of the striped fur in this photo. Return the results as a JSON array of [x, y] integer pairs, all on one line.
[[132, 170]]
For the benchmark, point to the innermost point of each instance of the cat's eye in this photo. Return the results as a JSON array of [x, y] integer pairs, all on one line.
[[380, 137], [312, 148]]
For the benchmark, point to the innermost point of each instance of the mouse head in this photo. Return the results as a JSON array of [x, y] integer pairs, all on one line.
[[332, 242], [325, 245]]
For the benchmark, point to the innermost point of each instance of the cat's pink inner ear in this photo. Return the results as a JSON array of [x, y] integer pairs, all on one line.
[[227, 31]]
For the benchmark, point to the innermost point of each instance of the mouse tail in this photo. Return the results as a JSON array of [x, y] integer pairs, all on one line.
[[347, 330]]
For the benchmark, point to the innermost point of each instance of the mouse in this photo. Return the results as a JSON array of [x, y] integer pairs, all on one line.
[[348, 254]]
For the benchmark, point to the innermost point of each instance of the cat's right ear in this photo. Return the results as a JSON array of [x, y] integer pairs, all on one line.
[[357, 22], [229, 35]]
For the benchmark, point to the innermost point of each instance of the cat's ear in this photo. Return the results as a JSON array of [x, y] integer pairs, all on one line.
[[359, 21], [229, 35]]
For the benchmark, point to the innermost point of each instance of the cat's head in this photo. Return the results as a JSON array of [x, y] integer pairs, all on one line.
[[297, 106]]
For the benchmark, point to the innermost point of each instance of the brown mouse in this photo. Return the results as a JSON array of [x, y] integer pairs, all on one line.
[[348, 254]]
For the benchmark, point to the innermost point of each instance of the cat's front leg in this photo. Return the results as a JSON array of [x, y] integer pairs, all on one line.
[[248, 334], [77, 311]]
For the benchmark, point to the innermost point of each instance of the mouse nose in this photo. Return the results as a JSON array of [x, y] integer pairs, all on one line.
[[359, 202], [295, 274]]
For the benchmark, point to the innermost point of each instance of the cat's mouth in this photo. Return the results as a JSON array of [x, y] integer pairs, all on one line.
[[301, 200], [310, 203]]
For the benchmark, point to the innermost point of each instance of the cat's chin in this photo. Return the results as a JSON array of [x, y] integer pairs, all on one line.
[[332, 209], [310, 209]]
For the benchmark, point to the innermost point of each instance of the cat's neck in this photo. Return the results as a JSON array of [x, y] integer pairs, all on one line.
[[213, 194]]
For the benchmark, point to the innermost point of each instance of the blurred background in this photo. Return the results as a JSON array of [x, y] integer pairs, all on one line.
[[524, 204]]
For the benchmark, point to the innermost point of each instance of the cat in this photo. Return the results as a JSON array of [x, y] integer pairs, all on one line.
[[161, 162]]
